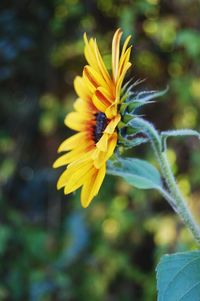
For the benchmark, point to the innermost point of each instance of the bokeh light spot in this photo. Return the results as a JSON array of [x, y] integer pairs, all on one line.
[[175, 69], [120, 203], [184, 185], [166, 233], [171, 155], [195, 88], [111, 228], [153, 2], [150, 27], [187, 118]]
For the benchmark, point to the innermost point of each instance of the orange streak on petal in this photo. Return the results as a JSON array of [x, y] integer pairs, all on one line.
[[107, 93], [124, 61], [102, 97], [95, 60], [115, 52], [121, 78], [101, 65], [98, 103], [90, 77]]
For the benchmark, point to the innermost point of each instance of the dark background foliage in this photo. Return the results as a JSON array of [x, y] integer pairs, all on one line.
[[51, 248]]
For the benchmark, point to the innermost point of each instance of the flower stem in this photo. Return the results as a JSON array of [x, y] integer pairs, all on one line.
[[174, 197], [182, 208]]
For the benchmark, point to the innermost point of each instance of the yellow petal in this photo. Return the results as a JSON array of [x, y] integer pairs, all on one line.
[[73, 155], [103, 96], [81, 88], [77, 179], [102, 144], [115, 52], [98, 180], [89, 53], [107, 94], [111, 111], [99, 158], [83, 158], [125, 45], [124, 60], [112, 124], [92, 185], [98, 103], [70, 187], [91, 86], [121, 78], [72, 142], [64, 160], [87, 186], [95, 60], [73, 171], [111, 145], [76, 121], [94, 77], [81, 106], [62, 179], [101, 64]]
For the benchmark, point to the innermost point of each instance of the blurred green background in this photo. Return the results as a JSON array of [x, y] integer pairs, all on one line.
[[50, 248]]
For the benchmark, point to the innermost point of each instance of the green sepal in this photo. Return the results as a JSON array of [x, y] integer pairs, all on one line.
[[121, 125], [134, 100]]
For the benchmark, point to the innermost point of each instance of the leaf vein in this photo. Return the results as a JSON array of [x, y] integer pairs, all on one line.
[[181, 270]]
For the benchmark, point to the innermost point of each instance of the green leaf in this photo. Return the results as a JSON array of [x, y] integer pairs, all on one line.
[[178, 277], [136, 172]]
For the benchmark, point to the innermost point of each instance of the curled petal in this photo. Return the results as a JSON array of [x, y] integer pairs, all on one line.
[[115, 53], [92, 185]]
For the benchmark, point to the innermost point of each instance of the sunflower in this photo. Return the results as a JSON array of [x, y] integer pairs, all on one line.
[[95, 119]]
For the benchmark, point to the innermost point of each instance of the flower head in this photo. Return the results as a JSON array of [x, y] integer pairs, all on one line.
[[95, 118]]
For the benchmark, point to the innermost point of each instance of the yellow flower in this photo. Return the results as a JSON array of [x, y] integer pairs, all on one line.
[[95, 118]]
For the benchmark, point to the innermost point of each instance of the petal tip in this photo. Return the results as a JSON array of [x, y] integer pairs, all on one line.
[[55, 164], [85, 203], [58, 186]]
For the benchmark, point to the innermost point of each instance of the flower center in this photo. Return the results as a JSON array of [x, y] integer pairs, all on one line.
[[101, 123]]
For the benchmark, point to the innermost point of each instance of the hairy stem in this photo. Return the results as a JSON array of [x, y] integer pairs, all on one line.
[[182, 208], [178, 203]]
